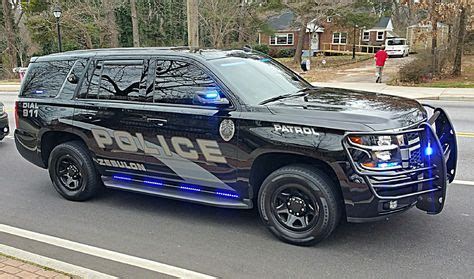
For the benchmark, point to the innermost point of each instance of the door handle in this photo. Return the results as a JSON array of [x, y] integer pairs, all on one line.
[[159, 121]]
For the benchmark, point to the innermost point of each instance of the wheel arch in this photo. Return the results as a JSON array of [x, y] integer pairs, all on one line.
[[50, 139], [266, 163]]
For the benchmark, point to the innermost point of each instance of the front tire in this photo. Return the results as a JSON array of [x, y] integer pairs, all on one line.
[[299, 204], [72, 172]]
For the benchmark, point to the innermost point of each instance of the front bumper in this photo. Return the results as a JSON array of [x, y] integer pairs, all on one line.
[[420, 182], [4, 129]]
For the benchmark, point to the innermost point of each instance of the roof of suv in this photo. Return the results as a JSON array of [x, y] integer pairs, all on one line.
[[203, 54]]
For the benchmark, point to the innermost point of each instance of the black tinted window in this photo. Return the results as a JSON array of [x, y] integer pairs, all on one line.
[[177, 82], [117, 80], [45, 79]]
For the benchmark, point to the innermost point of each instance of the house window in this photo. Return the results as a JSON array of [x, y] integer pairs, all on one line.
[[282, 39], [329, 19], [380, 35], [366, 36], [339, 38]]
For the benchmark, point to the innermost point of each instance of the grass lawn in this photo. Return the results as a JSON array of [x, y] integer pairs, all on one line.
[[324, 65]]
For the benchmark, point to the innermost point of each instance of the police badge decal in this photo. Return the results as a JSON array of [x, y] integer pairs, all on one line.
[[227, 129]]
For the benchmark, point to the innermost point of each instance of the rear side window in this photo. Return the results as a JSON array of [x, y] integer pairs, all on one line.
[[45, 79], [117, 80]]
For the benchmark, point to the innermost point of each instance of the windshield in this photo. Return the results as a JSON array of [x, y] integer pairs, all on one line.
[[257, 78], [396, 42]]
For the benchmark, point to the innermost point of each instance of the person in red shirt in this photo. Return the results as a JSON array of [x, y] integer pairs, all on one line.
[[380, 57]]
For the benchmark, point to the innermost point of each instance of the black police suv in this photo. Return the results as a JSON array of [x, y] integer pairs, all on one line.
[[232, 129], [4, 129]]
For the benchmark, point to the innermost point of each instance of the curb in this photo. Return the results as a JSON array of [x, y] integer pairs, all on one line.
[[57, 266]]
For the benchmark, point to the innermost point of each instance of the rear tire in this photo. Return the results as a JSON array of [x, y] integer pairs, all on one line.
[[299, 204], [72, 172]]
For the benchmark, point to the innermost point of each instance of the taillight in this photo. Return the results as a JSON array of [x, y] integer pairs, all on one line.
[[17, 113]]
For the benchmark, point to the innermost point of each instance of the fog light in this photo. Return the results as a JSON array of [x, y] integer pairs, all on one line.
[[392, 204], [5, 130]]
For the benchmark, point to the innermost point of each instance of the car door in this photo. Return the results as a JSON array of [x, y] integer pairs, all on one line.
[[192, 143], [109, 114]]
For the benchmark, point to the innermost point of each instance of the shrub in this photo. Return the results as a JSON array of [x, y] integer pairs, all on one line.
[[262, 48], [416, 70], [286, 52], [282, 53]]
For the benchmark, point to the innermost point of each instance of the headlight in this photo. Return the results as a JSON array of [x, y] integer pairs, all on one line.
[[379, 152]]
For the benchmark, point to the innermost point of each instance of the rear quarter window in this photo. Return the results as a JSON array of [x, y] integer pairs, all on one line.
[[45, 79]]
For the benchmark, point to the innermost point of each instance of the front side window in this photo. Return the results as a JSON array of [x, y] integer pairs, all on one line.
[[179, 82], [45, 79], [117, 80], [339, 38], [282, 39]]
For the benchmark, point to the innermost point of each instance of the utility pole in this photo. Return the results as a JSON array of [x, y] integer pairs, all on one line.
[[136, 35], [193, 23]]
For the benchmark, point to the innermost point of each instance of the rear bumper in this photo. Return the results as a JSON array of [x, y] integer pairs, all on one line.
[[376, 194], [4, 129], [27, 147]]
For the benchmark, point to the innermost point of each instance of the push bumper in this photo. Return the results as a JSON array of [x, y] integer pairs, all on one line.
[[4, 129], [376, 194]]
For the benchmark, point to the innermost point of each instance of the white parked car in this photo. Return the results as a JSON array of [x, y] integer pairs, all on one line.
[[397, 47]]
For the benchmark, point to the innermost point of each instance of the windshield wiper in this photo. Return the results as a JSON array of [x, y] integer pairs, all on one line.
[[301, 92]]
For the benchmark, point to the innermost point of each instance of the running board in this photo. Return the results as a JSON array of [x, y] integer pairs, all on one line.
[[172, 192]]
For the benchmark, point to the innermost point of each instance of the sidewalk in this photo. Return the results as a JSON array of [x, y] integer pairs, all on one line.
[[12, 268], [426, 93], [9, 87]]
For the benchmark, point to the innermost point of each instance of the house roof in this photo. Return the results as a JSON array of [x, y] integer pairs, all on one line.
[[283, 21], [383, 22]]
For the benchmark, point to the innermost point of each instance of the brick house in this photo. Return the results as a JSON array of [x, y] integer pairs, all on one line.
[[325, 36]]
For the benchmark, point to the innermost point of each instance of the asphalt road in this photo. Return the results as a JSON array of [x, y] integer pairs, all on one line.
[[233, 243]]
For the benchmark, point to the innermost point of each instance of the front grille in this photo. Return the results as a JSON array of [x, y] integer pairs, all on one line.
[[415, 176]]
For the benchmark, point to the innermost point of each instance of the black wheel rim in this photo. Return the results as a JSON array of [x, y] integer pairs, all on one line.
[[69, 173], [295, 207]]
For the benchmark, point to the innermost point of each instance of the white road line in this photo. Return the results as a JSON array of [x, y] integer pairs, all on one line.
[[464, 182], [52, 263], [105, 254]]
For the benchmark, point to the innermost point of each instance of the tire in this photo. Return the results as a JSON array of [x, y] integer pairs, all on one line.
[[288, 190], [81, 181]]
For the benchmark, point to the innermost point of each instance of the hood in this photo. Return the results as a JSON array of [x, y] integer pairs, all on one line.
[[374, 110]]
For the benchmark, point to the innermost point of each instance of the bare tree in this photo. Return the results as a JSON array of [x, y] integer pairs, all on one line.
[[109, 9], [11, 62], [464, 10], [192, 9], [136, 35], [219, 19], [312, 10]]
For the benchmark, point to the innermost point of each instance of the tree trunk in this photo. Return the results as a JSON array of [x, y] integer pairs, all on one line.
[[434, 38], [460, 42], [112, 23], [10, 34], [299, 45], [193, 23], [136, 35]]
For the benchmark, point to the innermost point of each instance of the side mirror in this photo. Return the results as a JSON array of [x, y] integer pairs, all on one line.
[[210, 96], [305, 65], [72, 78]]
